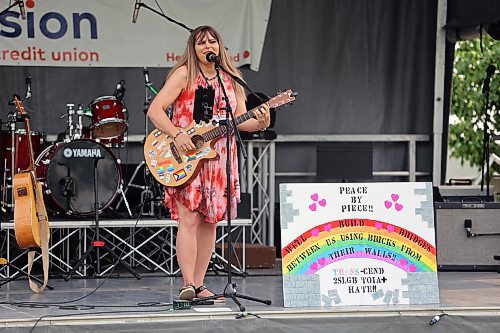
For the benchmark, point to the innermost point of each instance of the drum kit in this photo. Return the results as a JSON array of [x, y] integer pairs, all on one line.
[[65, 168]]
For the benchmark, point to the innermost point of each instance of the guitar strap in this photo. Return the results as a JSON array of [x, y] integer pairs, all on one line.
[[44, 246], [45, 261]]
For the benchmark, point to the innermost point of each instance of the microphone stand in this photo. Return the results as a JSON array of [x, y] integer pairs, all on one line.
[[97, 244], [165, 17], [230, 123], [8, 8], [486, 141]]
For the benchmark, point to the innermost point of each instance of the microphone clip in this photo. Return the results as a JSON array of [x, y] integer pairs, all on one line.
[[204, 104]]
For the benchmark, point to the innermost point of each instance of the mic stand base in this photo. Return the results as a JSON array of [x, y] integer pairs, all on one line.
[[230, 292], [106, 249]]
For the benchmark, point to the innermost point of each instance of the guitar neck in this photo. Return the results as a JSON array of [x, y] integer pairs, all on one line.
[[22, 112], [221, 130], [30, 144]]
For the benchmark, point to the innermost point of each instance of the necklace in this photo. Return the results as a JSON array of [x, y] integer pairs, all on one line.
[[206, 78]]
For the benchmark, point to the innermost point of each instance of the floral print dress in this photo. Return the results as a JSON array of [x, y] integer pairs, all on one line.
[[206, 194]]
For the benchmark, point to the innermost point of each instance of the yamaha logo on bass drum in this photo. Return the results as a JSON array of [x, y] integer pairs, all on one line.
[[82, 152]]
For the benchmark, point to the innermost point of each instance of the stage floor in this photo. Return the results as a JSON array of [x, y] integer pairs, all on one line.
[[470, 300]]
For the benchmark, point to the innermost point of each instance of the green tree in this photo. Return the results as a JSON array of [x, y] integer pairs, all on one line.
[[467, 108]]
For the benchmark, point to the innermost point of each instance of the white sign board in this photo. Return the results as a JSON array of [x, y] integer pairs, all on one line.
[[358, 244]]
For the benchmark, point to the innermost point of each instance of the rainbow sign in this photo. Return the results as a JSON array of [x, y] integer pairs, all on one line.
[[358, 238], [358, 244]]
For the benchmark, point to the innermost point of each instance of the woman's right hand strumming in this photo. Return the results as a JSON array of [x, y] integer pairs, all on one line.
[[183, 141]]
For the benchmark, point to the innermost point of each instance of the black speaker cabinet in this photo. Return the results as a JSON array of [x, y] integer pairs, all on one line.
[[467, 235]]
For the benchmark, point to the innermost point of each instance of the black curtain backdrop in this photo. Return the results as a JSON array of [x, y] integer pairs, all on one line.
[[359, 67], [466, 13]]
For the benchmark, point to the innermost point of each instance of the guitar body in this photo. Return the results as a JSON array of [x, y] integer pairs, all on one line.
[[172, 166], [29, 210]]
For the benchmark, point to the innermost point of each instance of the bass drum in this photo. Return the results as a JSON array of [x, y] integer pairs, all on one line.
[[67, 170]]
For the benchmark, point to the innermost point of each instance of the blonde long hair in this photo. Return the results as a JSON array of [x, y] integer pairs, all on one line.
[[190, 59]]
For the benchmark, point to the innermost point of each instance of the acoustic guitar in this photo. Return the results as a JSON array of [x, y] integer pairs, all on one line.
[[173, 167], [30, 214]]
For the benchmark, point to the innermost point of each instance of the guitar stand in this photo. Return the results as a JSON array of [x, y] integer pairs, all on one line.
[[97, 244], [5, 262]]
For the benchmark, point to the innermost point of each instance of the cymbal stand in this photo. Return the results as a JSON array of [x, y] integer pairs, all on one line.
[[9, 170], [69, 113]]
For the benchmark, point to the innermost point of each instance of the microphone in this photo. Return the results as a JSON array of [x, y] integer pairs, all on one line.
[[146, 75], [120, 90], [28, 86], [137, 6], [212, 57], [489, 73], [468, 228], [21, 9]]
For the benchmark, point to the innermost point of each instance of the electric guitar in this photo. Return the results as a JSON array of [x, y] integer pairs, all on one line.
[[173, 167], [30, 214]]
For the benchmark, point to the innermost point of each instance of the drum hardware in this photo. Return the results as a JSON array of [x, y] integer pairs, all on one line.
[[15, 154], [148, 195], [74, 132], [151, 196], [79, 124], [97, 244], [116, 142]]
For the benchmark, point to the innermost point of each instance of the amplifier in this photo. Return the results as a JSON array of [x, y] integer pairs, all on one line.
[[466, 193], [467, 235]]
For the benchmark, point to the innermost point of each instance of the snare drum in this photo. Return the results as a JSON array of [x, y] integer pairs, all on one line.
[[67, 171], [109, 117], [21, 160]]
